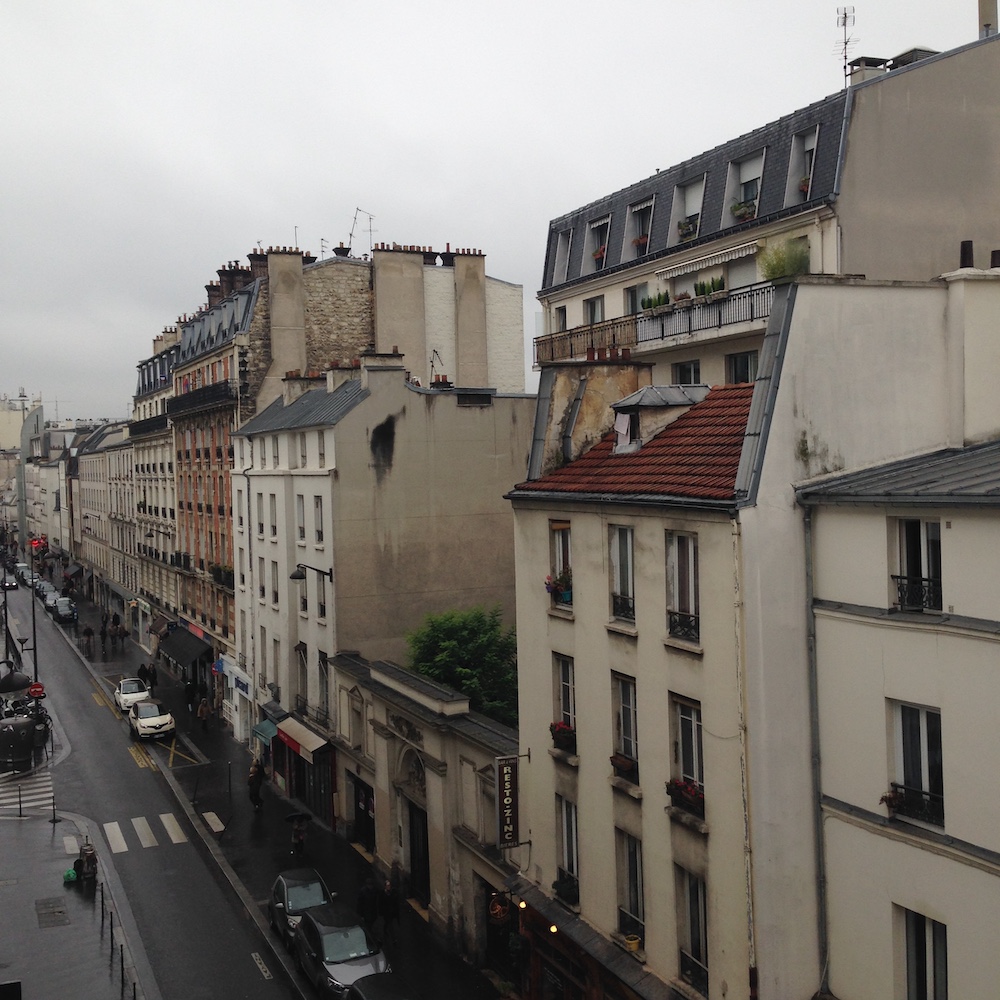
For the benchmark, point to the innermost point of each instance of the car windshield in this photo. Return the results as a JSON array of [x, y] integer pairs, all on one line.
[[341, 944], [305, 894], [149, 709], [133, 687]]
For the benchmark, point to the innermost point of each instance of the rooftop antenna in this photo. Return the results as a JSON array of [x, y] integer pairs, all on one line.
[[323, 243], [350, 238], [845, 20]]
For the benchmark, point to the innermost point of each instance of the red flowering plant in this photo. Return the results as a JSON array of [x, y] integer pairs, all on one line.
[[892, 799], [690, 791], [563, 735], [561, 728]]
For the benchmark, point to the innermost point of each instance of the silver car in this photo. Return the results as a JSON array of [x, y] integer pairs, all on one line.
[[333, 950], [292, 893]]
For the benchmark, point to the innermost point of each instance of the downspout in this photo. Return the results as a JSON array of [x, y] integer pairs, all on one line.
[[252, 641], [744, 789], [818, 845]]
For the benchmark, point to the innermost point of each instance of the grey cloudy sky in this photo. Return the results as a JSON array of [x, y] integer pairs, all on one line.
[[145, 145]]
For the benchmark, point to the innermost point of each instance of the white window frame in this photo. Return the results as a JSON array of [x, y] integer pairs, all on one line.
[[628, 851], [318, 519], [926, 956], [751, 358], [622, 569], [688, 746], [565, 675], [300, 517], [569, 841], [692, 923], [919, 754], [626, 716], [682, 574]]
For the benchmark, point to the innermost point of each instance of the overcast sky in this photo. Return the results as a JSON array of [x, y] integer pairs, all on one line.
[[146, 145]]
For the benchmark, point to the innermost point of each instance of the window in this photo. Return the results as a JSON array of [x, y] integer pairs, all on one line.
[[640, 218], [300, 517], [692, 926], [243, 566], [743, 188], [593, 309], [260, 514], [324, 686], [741, 367], [567, 886], [634, 295], [597, 243], [926, 957], [622, 588], [563, 243], [687, 372], [272, 501], [274, 450], [320, 595], [303, 451], [918, 584], [562, 564], [689, 199], [687, 788], [919, 764], [565, 691], [239, 508], [683, 620], [626, 733], [263, 655], [321, 444], [559, 319], [318, 519], [261, 584], [274, 583], [628, 859], [302, 676]]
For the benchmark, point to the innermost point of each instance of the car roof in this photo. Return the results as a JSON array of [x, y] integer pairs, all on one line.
[[330, 915], [148, 703], [381, 986]]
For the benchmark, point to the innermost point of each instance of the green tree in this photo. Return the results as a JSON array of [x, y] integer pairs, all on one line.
[[473, 653]]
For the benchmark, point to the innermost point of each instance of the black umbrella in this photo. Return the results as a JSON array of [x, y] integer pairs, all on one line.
[[293, 816], [14, 682]]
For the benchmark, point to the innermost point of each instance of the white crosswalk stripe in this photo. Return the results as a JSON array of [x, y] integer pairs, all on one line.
[[173, 828], [115, 839], [33, 791], [119, 844], [146, 836]]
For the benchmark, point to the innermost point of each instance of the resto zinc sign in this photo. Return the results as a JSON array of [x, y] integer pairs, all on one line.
[[507, 795]]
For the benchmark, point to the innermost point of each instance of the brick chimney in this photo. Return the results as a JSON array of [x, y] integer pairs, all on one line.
[[214, 290], [258, 264]]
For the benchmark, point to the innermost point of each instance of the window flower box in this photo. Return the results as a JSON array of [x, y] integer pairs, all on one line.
[[687, 795], [563, 736], [560, 586], [687, 229], [567, 888], [804, 184], [744, 211], [625, 767]]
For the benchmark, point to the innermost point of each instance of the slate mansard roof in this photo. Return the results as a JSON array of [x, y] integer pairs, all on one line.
[[316, 408], [694, 459], [774, 140], [952, 477]]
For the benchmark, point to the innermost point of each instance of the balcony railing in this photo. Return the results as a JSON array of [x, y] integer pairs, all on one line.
[[628, 924], [916, 803], [151, 425], [914, 593], [683, 626], [205, 398], [746, 305], [694, 973], [567, 887], [623, 607]]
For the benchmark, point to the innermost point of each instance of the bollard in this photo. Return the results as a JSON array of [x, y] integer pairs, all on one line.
[[55, 819]]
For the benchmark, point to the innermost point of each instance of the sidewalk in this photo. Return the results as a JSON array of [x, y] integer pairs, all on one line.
[[254, 847]]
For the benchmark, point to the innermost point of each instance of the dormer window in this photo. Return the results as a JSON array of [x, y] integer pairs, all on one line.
[[743, 189], [627, 433], [637, 233], [598, 242]]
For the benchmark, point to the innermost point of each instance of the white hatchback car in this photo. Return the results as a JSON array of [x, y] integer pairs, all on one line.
[[128, 692], [149, 718]]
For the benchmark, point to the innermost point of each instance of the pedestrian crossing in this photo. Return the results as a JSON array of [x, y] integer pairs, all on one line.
[[31, 791], [161, 831]]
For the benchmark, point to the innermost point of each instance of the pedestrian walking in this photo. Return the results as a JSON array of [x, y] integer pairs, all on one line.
[[204, 712], [143, 674], [190, 694], [368, 905], [388, 911], [88, 641], [152, 679], [299, 824], [254, 782]]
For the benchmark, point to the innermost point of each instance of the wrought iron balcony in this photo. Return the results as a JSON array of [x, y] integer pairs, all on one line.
[[746, 305], [151, 425], [915, 593], [694, 973], [206, 398], [567, 887], [628, 924], [917, 803], [623, 607], [683, 626]]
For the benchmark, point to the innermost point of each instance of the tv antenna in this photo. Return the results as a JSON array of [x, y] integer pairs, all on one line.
[[350, 239], [845, 20]]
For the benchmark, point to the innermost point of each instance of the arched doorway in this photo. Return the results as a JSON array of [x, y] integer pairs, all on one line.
[[411, 783]]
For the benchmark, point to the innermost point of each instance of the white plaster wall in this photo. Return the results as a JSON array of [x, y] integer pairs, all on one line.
[[439, 325], [505, 335], [850, 561]]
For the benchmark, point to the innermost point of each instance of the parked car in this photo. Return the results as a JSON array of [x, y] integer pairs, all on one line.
[[333, 949], [128, 691], [65, 611], [9, 582], [149, 718], [293, 892], [43, 586], [22, 571], [381, 986], [50, 599]]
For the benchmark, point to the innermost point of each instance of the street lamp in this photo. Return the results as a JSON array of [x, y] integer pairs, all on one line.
[[299, 573]]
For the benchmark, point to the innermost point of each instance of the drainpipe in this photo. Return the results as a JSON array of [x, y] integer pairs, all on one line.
[[818, 845], [738, 622], [250, 533]]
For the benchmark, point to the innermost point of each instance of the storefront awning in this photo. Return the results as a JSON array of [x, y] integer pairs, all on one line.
[[265, 730], [184, 647], [301, 739], [73, 569], [159, 626]]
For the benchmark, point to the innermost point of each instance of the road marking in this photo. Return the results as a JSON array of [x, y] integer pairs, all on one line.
[[115, 839], [139, 756], [215, 824], [31, 790], [142, 828], [173, 828], [72, 845], [260, 965]]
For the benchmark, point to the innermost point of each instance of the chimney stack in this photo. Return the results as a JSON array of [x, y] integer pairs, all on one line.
[[987, 18]]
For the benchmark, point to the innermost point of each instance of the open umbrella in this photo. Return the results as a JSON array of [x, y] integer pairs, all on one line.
[[293, 816]]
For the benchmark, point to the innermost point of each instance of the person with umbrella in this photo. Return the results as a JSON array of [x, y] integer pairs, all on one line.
[[299, 821]]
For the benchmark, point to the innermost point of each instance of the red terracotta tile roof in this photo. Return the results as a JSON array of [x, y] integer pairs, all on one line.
[[696, 456]]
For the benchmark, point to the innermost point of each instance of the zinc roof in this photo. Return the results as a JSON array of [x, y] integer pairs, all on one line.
[[315, 408]]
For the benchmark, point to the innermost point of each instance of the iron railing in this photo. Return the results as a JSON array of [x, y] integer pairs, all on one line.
[[751, 304], [629, 924], [918, 803], [914, 593], [683, 626], [567, 887], [623, 607], [694, 973], [206, 398]]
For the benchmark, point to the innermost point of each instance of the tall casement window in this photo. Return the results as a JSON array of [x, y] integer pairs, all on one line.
[[926, 943], [274, 584], [593, 310], [622, 574], [300, 517], [239, 508], [303, 451], [261, 581], [640, 217], [318, 519], [274, 451], [565, 690], [918, 791], [918, 584], [566, 886], [272, 502], [321, 448], [692, 927], [323, 706], [687, 784], [560, 583], [301, 677], [260, 514], [683, 620], [741, 368], [320, 595], [561, 265], [626, 756], [597, 242], [628, 862]]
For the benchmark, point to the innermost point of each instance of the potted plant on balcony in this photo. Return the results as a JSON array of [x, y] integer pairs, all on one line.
[[682, 300], [743, 211], [717, 289], [561, 586], [563, 736], [640, 242], [893, 800], [687, 229], [599, 253], [688, 795], [804, 184]]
